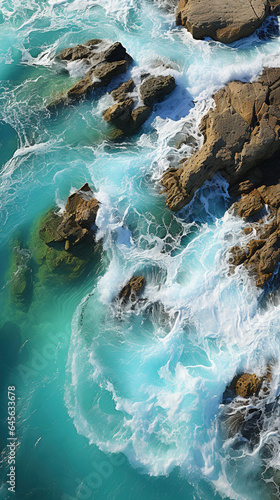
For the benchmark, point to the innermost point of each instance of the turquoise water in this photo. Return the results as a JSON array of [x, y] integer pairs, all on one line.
[[125, 404]]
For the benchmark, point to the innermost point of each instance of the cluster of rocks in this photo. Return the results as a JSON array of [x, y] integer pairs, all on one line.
[[245, 405], [242, 142], [126, 115], [103, 63], [223, 21], [261, 254]]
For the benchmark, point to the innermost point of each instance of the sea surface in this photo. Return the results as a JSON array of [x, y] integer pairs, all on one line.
[[126, 404]]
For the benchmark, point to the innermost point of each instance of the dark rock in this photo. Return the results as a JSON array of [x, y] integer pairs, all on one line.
[[140, 115], [132, 290], [156, 88], [117, 53]]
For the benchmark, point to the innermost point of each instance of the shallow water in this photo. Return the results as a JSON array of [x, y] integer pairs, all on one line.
[[121, 405]]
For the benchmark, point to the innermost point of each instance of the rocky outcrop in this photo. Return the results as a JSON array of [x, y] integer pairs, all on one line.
[[223, 21], [261, 254], [103, 63], [239, 133], [242, 142], [132, 290], [127, 115], [64, 244], [76, 222]]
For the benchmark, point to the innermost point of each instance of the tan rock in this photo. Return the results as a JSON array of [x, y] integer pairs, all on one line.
[[222, 21]]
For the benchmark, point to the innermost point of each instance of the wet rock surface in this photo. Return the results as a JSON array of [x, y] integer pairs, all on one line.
[[64, 244], [127, 115], [261, 255], [223, 21], [103, 62], [132, 290], [246, 406], [242, 142], [239, 133]]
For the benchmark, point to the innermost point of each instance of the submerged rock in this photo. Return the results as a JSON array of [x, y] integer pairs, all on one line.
[[103, 62], [125, 115], [22, 277], [132, 290], [223, 21]]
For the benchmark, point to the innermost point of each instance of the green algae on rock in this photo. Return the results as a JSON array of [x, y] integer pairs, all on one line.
[[64, 244]]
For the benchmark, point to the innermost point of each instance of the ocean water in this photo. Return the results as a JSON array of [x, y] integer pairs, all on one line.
[[127, 404]]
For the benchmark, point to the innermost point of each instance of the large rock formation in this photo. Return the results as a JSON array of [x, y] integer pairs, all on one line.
[[223, 21], [239, 133], [261, 254], [103, 63], [242, 142], [126, 115]]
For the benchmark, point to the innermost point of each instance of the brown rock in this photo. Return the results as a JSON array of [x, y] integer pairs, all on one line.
[[245, 385], [122, 114], [270, 195], [119, 114], [222, 21], [132, 289], [249, 205], [75, 223], [103, 67], [156, 88], [79, 51], [104, 73], [119, 94], [140, 115], [235, 141]]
